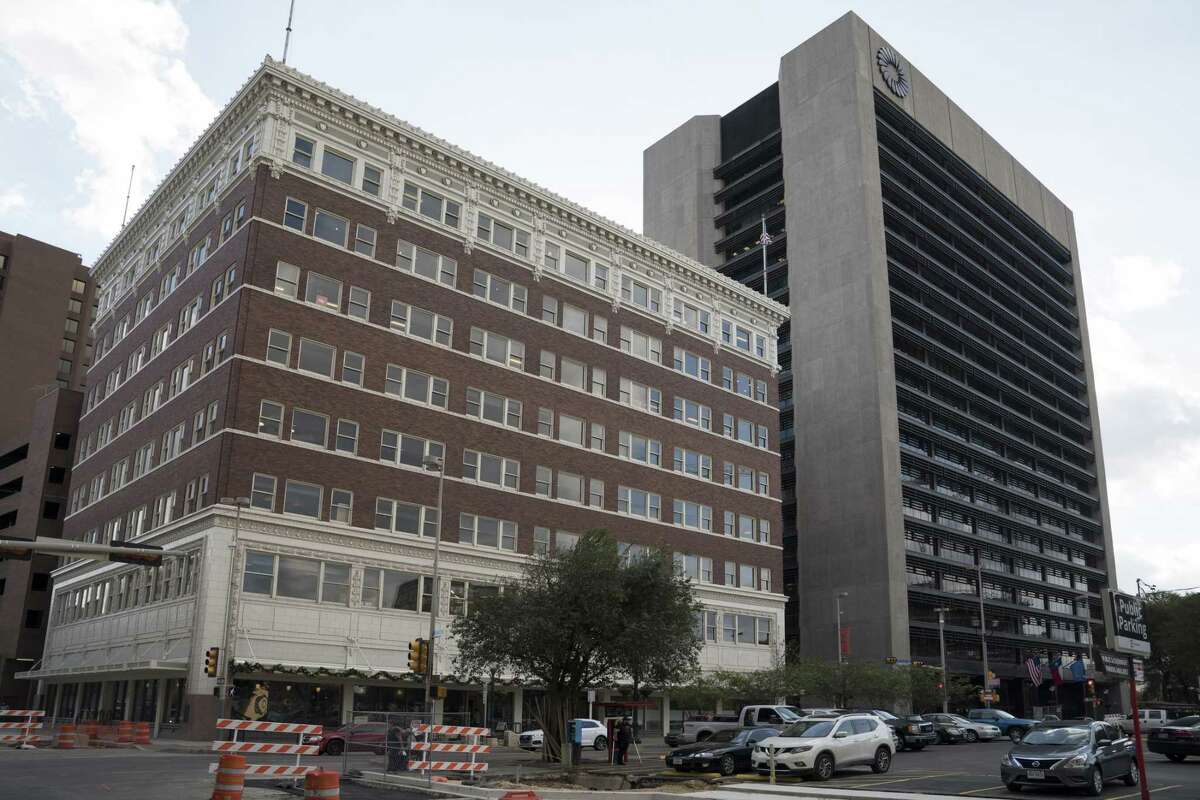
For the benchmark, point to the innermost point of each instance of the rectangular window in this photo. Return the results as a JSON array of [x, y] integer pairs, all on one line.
[[302, 152], [341, 506], [574, 319], [428, 204], [599, 382], [638, 503], [315, 357], [372, 179], [573, 373], [693, 463], [323, 291], [599, 329], [353, 365], [426, 263], [488, 468], [259, 574], [596, 493], [543, 481], [287, 279], [346, 440], [503, 236], [692, 364], [416, 386], [497, 290], [690, 316], [295, 214], [402, 448], [262, 492], [541, 541], [693, 413], [302, 498], [495, 347], [494, 408], [309, 427], [640, 294], [641, 396], [487, 532], [570, 487], [330, 227], [639, 344], [545, 422], [546, 364], [549, 309], [640, 448], [279, 346], [337, 166], [570, 429], [364, 240], [693, 515]]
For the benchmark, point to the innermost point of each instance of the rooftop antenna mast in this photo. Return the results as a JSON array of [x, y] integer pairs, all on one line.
[[128, 191], [287, 37]]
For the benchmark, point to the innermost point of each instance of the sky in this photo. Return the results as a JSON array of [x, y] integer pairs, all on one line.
[[1092, 97]]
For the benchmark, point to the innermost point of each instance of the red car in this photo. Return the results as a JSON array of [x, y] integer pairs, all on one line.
[[370, 736]]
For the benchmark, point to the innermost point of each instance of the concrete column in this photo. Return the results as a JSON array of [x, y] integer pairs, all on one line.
[[347, 703], [130, 691], [518, 700], [160, 700], [666, 713], [106, 696], [439, 706], [58, 691]]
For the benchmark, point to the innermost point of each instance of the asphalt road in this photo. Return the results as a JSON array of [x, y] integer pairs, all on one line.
[[973, 771], [131, 775]]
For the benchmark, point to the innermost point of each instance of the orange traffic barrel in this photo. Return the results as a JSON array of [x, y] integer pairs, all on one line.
[[523, 795], [321, 785], [125, 732], [231, 777], [92, 731], [141, 733], [66, 737]]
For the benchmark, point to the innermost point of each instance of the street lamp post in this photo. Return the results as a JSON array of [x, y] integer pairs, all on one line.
[[837, 598], [987, 682], [226, 655], [941, 612], [434, 463]]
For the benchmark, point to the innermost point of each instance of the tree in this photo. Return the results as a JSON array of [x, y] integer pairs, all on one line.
[[927, 696], [658, 644], [1174, 663], [565, 624]]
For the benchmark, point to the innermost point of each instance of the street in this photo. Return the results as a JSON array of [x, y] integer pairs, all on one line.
[[972, 771]]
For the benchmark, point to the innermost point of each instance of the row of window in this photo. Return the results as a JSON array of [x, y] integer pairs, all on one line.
[[175, 578], [144, 518], [733, 628]]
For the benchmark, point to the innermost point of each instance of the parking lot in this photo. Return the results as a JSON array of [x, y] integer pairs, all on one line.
[[972, 770]]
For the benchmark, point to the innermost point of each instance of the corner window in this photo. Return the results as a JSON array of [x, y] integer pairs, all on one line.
[[372, 179], [287, 279], [279, 346], [262, 492], [302, 152]]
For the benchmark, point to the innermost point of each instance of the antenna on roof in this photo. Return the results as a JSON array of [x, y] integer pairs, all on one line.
[[287, 37], [129, 191]]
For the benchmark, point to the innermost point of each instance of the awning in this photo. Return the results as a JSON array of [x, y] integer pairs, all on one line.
[[130, 670]]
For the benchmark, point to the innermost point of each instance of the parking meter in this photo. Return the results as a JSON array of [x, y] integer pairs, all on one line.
[[575, 737]]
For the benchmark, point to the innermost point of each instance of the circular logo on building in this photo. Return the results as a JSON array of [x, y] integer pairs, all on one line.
[[893, 71]]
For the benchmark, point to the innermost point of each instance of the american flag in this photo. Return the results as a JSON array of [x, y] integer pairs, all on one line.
[[1035, 672]]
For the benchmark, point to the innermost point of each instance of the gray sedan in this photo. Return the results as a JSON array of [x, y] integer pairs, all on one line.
[[1069, 755], [975, 730]]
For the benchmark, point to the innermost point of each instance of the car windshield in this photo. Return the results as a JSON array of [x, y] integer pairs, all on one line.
[[809, 729], [884, 715], [724, 736], [1069, 737], [788, 713]]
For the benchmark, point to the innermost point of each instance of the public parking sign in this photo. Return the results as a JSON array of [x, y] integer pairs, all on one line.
[[1129, 627]]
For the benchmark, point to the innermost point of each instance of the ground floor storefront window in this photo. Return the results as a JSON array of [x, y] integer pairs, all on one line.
[[288, 701], [405, 699]]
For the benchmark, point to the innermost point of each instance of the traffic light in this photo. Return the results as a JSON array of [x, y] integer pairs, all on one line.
[[941, 685], [1091, 686], [418, 656], [212, 661]]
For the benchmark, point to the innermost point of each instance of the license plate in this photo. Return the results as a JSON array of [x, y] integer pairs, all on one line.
[[676, 762], [1037, 774]]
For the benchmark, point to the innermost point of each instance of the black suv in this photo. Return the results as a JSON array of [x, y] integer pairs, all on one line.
[[912, 732]]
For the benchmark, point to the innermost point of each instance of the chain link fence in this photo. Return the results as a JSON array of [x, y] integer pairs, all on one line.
[[382, 741]]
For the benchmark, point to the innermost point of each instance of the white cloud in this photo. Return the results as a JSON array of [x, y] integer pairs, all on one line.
[[12, 198], [1135, 283], [114, 70]]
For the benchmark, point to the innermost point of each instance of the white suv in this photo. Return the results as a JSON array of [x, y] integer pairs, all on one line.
[[595, 735], [816, 746]]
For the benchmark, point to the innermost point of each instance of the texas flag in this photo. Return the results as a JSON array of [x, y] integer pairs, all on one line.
[[1056, 671], [1078, 669]]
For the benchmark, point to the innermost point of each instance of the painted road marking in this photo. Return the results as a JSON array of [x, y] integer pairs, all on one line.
[[988, 789], [1139, 794]]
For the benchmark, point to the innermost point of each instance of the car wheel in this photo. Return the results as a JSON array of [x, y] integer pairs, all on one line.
[[334, 747], [727, 766], [823, 767], [1095, 786], [971, 737], [1176, 757], [702, 737], [882, 762], [1013, 787], [1132, 778], [600, 743], [1015, 735], [916, 748]]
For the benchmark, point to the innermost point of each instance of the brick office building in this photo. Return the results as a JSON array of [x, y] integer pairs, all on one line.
[[46, 302], [318, 298]]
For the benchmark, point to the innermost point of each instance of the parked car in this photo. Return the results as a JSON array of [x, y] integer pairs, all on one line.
[[1177, 739], [816, 747], [976, 730], [913, 732], [947, 730], [370, 736], [1013, 727], [726, 752], [1151, 719], [595, 735], [697, 730], [1084, 755]]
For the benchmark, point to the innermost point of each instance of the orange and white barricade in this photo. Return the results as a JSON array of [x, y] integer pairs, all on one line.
[[26, 739], [267, 771], [474, 748], [322, 784]]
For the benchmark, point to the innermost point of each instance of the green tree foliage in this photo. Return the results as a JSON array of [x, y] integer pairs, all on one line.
[[1173, 623], [927, 697], [573, 620]]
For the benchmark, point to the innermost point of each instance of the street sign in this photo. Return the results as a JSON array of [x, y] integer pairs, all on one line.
[[1139, 670], [989, 696], [1129, 627], [591, 695]]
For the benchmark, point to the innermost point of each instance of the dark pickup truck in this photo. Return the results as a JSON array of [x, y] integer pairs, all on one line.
[[912, 732]]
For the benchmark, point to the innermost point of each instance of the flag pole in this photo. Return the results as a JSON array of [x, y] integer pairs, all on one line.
[[764, 240]]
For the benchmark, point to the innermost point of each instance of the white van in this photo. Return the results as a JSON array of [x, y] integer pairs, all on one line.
[[1151, 718]]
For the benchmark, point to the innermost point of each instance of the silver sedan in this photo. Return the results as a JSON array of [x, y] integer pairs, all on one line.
[[974, 730]]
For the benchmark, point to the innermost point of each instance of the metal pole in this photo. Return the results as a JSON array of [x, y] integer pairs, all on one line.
[[838, 601], [440, 465], [225, 655], [128, 192], [987, 683], [287, 37], [1137, 732], [764, 240], [941, 612]]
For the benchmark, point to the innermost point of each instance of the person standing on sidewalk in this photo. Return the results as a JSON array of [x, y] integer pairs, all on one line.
[[624, 739]]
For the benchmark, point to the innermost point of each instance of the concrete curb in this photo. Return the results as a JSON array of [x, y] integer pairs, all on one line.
[[481, 793]]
